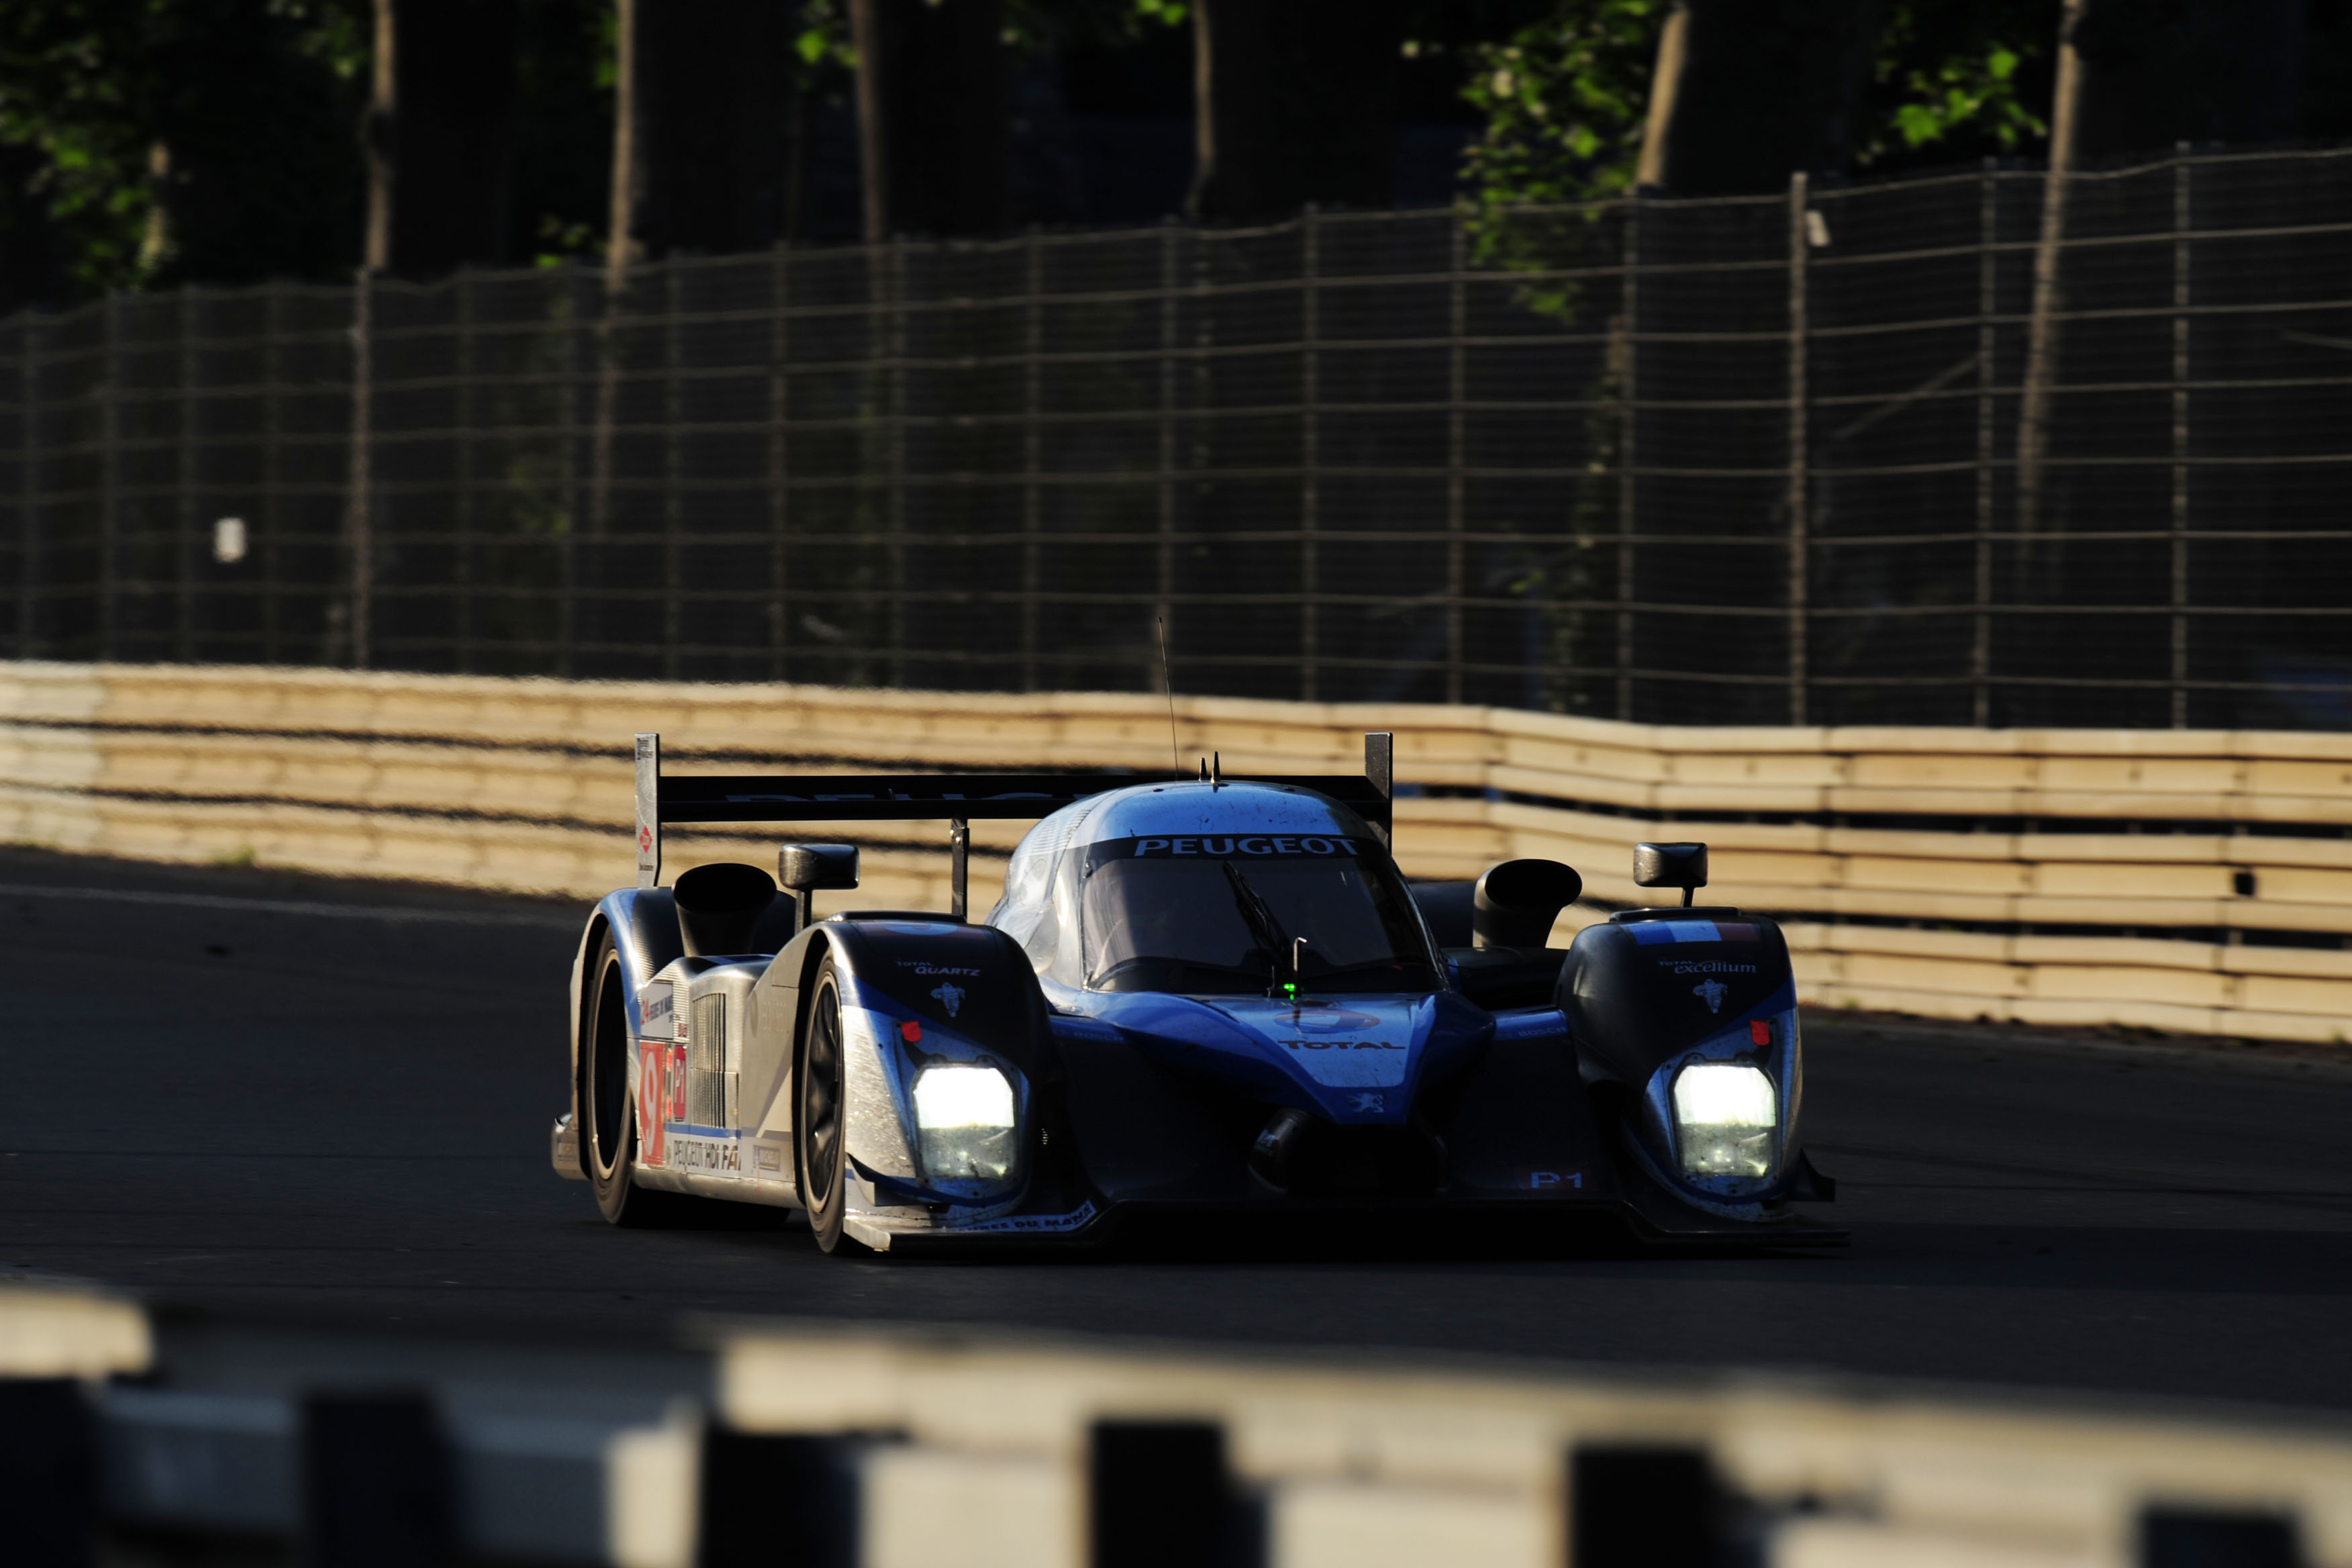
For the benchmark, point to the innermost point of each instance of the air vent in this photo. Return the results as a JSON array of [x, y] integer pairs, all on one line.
[[709, 1086], [709, 1038], [711, 1098]]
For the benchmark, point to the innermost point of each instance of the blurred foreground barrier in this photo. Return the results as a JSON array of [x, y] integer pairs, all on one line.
[[2180, 879], [785, 1443]]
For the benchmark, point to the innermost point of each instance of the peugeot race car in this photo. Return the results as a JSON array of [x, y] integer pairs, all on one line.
[[1196, 996]]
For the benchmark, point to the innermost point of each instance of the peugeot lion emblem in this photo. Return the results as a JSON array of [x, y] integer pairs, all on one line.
[[1708, 991], [950, 994]]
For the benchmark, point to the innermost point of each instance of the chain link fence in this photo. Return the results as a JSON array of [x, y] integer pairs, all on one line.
[[1965, 449]]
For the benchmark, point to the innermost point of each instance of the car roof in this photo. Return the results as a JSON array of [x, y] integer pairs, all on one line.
[[1162, 810]]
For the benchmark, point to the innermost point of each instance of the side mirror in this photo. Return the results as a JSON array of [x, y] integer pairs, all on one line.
[[805, 868], [718, 904], [1515, 903], [1680, 865]]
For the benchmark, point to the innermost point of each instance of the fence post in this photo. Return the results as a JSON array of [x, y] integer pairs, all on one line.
[[273, 370], [897, 414], [1457, 324], [2180, 265], [28, 483], [462, 547], [1164, 556], [1309, 451], [1799, 456], [186, 512], [780, 461], [1033, 373], [109, 477], [672, 562], [567, 550], [362, 520], [1629, 348], [1988, 284]]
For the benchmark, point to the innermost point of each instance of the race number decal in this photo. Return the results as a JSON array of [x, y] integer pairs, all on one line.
[[653, 1095]]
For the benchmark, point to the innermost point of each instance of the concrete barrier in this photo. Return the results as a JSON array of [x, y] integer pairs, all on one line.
[[2191, 880], [810, 1443]]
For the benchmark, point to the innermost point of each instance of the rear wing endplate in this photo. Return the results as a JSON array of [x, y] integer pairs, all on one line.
[[956, 798]]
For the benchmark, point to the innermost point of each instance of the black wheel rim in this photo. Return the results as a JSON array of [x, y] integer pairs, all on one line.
[[821, 1098], [608, 1075]]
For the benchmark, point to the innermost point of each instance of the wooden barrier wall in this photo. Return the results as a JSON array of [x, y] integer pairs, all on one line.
[[2177, 880]]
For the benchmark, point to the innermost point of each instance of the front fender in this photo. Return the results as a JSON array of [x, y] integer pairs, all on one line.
[[919, 993]]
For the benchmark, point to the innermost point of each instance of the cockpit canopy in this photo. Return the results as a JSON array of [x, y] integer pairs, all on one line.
[[1207, 890]]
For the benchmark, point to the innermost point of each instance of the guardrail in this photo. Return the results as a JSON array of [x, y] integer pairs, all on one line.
[[790, 1443], [2180, 879]]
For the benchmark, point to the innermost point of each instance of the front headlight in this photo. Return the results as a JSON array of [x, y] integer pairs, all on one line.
[[964, 1123], [1727, 1120]]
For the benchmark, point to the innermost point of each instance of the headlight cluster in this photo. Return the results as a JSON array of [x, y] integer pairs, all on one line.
[[1727, 1120], [964, 1123]]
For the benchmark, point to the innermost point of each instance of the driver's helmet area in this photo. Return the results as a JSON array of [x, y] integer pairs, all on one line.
[[1214, 890]]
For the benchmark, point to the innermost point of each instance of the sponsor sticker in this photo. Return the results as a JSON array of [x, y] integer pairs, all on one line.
[[1225, 846], [1342, 1045], [658, 1012], [947, 994], [1651, 933], [1035, 1222], [1712, 993], [768, 1156], [711, 1156], [1330, 1020], [922, 928]]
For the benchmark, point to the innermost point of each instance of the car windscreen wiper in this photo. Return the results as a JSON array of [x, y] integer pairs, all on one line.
[[1258, 915]]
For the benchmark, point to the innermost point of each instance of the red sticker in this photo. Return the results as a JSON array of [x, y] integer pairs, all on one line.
[[1760, 1032], [645, 840], [911, 1031], [652, 1096]]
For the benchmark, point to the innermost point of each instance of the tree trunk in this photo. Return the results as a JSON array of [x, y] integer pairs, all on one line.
[[715, 91], [933, 133], [1295, 103], [1749, 93], [452, 133], [2042, 324], [377, 129]]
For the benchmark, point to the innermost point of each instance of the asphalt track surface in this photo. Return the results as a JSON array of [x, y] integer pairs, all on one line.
[[329, 1102]]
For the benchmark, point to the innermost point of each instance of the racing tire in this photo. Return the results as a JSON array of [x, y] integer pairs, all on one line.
[[608, 1071], [821, 1113]]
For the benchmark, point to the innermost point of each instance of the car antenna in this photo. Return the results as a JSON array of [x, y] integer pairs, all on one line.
[[1168, 683], [1216, 770]]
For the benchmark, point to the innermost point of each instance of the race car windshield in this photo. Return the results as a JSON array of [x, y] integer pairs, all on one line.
[[1174, 922]]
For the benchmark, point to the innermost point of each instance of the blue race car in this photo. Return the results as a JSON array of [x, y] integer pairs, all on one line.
[[1196, 996]]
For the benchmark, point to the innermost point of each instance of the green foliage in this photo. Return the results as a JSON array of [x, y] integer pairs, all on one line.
[[1952, 79], [1039, 25], [210, 112], [1566, 98], [72, 75], [1564, 101]]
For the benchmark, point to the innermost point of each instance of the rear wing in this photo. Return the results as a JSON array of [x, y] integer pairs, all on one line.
[[958, 799]]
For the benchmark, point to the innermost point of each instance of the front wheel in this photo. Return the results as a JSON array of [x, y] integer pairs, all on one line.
[[608, 1067], [821, 1120]]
